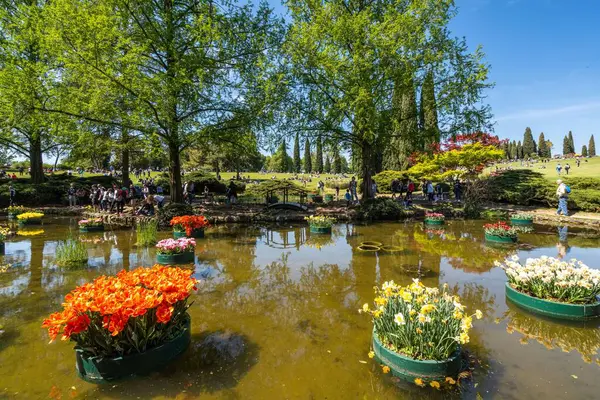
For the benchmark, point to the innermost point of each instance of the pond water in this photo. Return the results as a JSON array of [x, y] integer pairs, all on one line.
[[276, 314]]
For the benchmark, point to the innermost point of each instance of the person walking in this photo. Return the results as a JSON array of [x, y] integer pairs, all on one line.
[[12, 193], [457, 190], [348, 198], [558, 168], [567, 168], [352, 188], [394, 187], [430, 191], [562, 192], [72, 195]]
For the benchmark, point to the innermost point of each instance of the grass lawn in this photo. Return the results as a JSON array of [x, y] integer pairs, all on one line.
[[281, 176], [591, 168]]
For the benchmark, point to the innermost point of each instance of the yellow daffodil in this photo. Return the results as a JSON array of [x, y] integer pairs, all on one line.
[[385, 369], [464, 338], [427, 308], [457, 314], [478, 314], [365, 307], [371, 354], [434, 384], [419, 382], [419, 331], [450, 380]]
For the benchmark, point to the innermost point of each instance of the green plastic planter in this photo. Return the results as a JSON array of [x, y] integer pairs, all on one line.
[[521, 222], [171, 259], [196, 234], [575, 312], [409, 369], [104, 370], [500, 239], [434, 222], [92, 228], [25, 222], [328, 198], [320, 229]]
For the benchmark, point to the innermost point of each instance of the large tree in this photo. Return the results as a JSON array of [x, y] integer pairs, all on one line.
[[307, 157], [319, 156], [297, 160], [190, 71], [592, 147], [519, 150], [566, 146], [528, 143], [348, 59], [282, 157], [584, 151], [571, 143], [428, 112], [337, 166], [542, 149]]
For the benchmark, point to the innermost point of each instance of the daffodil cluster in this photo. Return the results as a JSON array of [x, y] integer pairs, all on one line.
[[552, 279], [30, 215], [320, 221], [524, 216], [4, 232], [420, 322]]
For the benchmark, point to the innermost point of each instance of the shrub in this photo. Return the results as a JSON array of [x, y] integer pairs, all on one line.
[[146, 233], [384, 180], [342, 184], [381, 209], [214, 185], [166, 214]]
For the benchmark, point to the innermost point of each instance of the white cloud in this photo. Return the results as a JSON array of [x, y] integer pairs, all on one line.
[[550, 112]]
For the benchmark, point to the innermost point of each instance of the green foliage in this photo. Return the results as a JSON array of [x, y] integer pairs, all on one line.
[[519, 150], [280, 160], [528, 143], [215, 186], [384, 180], [146, 233], [571, 143], [166, 214], [592, 147], [297, 160], [543, 150], [337, 166], [71, 253], [307, 157], [327, 167], [566, 146], [584, 151], [319, 156], [429, 124], [382, 209]]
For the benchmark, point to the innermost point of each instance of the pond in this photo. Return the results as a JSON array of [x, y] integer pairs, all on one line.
[[276, 314]]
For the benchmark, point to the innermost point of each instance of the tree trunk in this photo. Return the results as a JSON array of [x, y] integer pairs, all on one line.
[[35, 160], [365, 172], [237, 174], [175, 174], [125, 157]]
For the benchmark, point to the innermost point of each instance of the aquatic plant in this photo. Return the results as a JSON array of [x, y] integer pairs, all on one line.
[[175, 246], [30, 215], [71, 253], [320, 221], [189, 223], [420, 322], [90, 222], [146, 232], [500, 228], [125, 314], [552, 279]]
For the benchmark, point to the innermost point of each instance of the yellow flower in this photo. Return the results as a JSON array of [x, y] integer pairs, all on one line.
[[412, 312], [419, 331], [457, 314], [386, 369], [464, 338], [371, 354], [30, 215], [427, 308], [365, 307], [30, 233], [421, 318], [466, 324], [434, 384], [381, 301], [478, 314], [419, 382], [377, 313], [450, 380], [406, 296]]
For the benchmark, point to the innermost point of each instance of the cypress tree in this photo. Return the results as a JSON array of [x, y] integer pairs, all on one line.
[[528, 143], [513, 150], [584, 151], [592, 147], [428, 113], [319, 159], [307, 157], [542, 146], [283, 161], [549, 146], [571, 143], [327, 165], [566, 146], [519, 150], [337, 160], [297, 161], [505, 146]]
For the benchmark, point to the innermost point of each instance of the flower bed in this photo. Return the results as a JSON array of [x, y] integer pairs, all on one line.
[[116, 319], [189, 226], [14, 211], [4, 232], [419, 330], [320, 223], [175, 251], [500, 232], [30, 218], [521, 219], [91, 225], [434, 218]]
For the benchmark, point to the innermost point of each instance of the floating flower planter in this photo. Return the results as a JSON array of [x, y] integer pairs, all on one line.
[[107, 369], [320, 223], [434, 219], [410, 369], [130, 324], [91, 225], [328, 198], [521, 219], [500, 232], [430, 323], [555, 288], [372, 243], [30, 218], [391, 249], [175, 251], [190, 226], [15, 211], [368, 248]]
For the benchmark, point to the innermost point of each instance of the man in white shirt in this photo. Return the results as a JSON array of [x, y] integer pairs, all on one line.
[[563, 195]]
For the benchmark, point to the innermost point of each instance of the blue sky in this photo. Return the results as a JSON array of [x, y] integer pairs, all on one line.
[[545, 62]]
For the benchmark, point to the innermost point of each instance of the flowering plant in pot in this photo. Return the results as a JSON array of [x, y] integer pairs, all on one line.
[[418, 331], [30, 218], [128, 324], [320, 223], [500, 231], [13, 211], [434, 218], [91, 224], [521, 219], [189, 225], [174, 251]]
